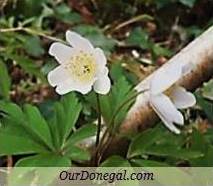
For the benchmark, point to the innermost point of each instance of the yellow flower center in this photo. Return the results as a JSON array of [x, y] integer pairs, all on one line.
[[82, 67]]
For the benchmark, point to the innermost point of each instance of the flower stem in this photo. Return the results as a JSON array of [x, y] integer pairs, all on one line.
[[123, 105], [108, 134], [99, 120]]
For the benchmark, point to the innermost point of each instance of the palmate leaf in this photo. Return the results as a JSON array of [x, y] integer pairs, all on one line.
[[155, 142], [38, 124], [44, 160], [72, 108], [26, 125], [76, 153], [12, 110], [143, 141], [173, 151], [147, 163], [66, 114], [82, 133], [14, 135], [11, 144]]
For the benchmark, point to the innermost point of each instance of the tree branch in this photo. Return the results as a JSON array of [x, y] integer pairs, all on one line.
[[198, 53]]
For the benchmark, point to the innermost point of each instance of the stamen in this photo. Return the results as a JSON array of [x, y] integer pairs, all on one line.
[[82, 67]]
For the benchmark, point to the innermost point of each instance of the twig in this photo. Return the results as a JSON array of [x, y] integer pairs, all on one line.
[[132, 20], [30, 31]]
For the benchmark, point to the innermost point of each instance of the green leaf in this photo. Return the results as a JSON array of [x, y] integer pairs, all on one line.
[[115, 105], [147, 163], [143, 141], [115, 161], [205, 161], [207, 106], [28, 124], [162, 3], [5, 81], [139, 37], [38, 124], [29, 8], [32, 45], [82, 133], [64, 13], [14, 145], [72, 109], [193, 31], [76, 153], [44, 160], [111, 103], [55, 122], [65, 117], [160, 51], [173, 151], [189, 3], [198, 142], [12, 110], [28, 65]]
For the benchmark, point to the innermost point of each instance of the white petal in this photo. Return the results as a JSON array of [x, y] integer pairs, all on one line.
[[100, 58], [165, 78], [166, 110], [171, 126], [57, 76], [79, 42], [102, 73], [61, 52], [70, 85], [181, 98], [167, 122], [102, 85]]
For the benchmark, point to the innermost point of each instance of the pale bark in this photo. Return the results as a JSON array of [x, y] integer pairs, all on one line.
[[199, 53]]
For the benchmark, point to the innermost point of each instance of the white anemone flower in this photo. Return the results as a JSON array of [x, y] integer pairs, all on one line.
[[178, 98], [82, 67]]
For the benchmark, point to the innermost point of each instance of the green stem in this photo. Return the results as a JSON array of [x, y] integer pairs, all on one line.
[[30, 31], [103, 146], [99, 120]]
